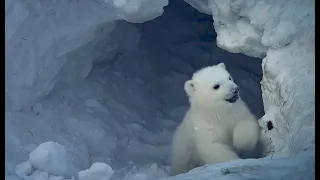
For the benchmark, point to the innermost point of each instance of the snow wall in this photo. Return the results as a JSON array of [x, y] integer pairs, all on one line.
[[279, 32]]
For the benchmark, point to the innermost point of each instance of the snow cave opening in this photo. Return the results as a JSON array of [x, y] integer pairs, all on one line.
[[133, 97], [171, 48], [114, 92]]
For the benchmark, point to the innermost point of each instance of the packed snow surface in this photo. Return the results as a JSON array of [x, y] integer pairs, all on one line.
[[117, 123]]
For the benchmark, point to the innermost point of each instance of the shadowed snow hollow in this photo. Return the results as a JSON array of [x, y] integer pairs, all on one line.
[[47, 34], [101, 96]]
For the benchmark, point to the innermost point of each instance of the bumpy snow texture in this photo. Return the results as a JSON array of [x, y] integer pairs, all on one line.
[[50, 44]]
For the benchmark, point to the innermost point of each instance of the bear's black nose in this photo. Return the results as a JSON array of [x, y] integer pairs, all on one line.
[[236, 90]]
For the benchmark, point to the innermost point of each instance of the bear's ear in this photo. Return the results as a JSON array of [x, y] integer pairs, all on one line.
[[189, 87], [222, 65]]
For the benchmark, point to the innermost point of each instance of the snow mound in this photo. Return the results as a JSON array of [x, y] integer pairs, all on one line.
[[49, 161], [49, 158], [96, 120]]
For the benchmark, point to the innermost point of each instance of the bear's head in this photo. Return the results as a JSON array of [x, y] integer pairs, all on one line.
[[212, 86]]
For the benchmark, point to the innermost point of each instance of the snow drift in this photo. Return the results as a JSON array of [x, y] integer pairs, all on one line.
[[51, 43]]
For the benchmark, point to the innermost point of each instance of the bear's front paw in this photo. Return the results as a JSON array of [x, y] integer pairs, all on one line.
[[245, 135]]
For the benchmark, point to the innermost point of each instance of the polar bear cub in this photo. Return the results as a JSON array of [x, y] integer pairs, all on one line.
[[218, 124]]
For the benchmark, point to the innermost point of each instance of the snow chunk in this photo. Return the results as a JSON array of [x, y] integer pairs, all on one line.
[[24, 170], [97, 171], [50, 157]]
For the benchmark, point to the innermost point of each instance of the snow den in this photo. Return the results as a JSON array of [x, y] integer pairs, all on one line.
[[94, 89]]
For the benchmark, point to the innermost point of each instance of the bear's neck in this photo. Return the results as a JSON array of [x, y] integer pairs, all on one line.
[[214, 107]]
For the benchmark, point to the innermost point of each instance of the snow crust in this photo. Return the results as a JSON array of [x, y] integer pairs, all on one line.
[[51, 47]]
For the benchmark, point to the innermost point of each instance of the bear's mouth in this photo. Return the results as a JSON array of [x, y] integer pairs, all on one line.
[[233, 99]]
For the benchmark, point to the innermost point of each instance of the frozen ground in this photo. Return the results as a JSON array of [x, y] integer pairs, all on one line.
[[102, 98]]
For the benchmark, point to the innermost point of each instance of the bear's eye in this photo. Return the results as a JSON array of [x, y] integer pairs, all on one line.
[[216, 86], [230, 78]]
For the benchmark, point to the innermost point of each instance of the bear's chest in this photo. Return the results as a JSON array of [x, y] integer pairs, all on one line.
[[221, 120], [212, 133]]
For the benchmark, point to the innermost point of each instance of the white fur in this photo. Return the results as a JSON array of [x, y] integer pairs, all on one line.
[[213, 130]]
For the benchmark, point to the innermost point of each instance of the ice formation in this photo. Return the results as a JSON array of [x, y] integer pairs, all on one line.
[[49, 44]]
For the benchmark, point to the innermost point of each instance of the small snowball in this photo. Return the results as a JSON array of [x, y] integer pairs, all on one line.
[[97, 171], [50, 157], [24, 169]]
